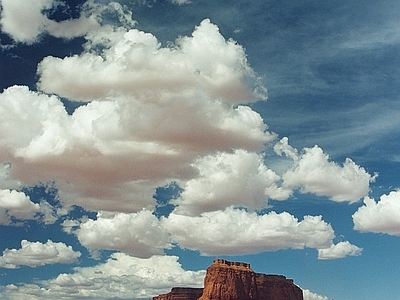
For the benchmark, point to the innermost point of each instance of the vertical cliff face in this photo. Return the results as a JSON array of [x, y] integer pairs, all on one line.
[[276, 287], [230, 281], [237, 281]]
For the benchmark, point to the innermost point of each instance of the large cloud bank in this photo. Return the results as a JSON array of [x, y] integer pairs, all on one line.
[[156, 115]]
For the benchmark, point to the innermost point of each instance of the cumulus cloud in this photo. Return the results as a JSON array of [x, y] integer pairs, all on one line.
[[313, 172], [379, 217], [340, 250], [152, 111], [35, 254], [225, 179], [26, 21], [235, 232], [308, 295], [229, 232], [134, 63], [138, 234], [283, 147], [16, 205], [23, 20], [152, 115], [32, 124], [121, 276]]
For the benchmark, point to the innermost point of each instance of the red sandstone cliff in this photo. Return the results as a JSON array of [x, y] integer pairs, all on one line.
[[277, 287], [230, 281], [237, 281]]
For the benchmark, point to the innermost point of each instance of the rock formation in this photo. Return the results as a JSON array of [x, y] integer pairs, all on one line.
[[277, 287], [227, 280], [181, 293]]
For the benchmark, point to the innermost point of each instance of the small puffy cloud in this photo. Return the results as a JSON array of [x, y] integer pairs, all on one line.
[[18, 205], [25, 21], [225, 179], [138, 234], [180, 2], [69, 225], [308, 295], [121, 276], [340, 250], [237, 232], [283, 147], [312, 172], [379, 217], [35, 254]]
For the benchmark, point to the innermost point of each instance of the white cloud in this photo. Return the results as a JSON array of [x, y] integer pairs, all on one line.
[[6, 180], [31, 123], [25, 21], [167, 107], [229, 232], [121, 276], [312, 172], [37, 128], [14, 204], [181, 2], [69, 225], [35, 254], [283, 147], [153, 115], [138, 234], [134, 63], [340, 250], [239, 178], [379, 217], [308, 295], [236, 232]]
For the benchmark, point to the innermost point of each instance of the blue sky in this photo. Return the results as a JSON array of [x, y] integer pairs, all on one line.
[[139, 140]]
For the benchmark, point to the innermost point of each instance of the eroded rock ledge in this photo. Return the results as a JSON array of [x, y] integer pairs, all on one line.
[[227, 280]]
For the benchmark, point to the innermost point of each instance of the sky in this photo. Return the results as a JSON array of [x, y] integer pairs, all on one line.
[[141, 139]]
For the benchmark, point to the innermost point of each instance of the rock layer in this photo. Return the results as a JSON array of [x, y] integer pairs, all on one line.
[[181, 293], [227, 280]]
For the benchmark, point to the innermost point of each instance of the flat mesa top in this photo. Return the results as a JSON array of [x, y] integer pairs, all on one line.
[[231, 264]]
